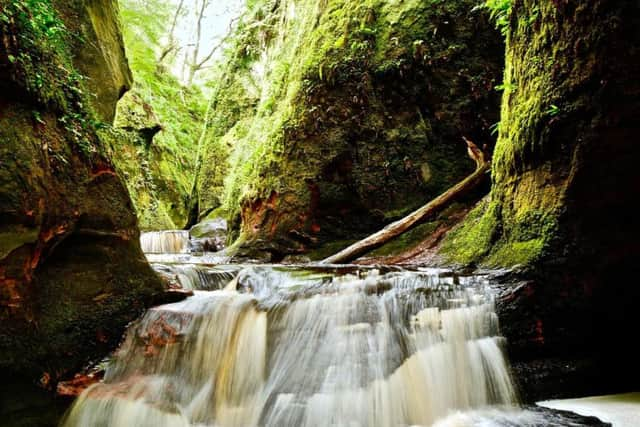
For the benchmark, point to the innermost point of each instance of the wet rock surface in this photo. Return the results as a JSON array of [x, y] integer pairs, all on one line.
[[563, 342], [556, 418], [208, 236], [366, 125]]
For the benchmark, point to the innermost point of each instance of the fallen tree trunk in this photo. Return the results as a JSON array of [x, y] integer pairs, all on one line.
[[435, 206]]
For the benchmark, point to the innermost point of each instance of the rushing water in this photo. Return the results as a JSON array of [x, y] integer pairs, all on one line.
[[309, 346], [197, 277], [172, 242]]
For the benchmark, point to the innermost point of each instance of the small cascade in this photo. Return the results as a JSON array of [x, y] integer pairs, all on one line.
[[314, 347], [197, 277], [169, 242]]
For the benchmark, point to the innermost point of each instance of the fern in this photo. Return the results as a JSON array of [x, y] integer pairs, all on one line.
[[500, 11]]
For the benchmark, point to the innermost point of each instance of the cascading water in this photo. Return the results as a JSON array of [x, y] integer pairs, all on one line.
[[197, 277], [290, 347], [173, 241]]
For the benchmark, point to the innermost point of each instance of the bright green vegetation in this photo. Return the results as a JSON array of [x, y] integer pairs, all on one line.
[[67, 227], [41, 64], [158, 169], [500, 12], [331, 118], [517, 222], [482, 237], [158, 124], [547, 120], [42, 31]]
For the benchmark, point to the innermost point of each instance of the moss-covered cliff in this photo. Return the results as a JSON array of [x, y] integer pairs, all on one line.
[[563, 159], [565, 178], [157, 171], [72, 274], [157, 125], [98, 51], [338, 117]]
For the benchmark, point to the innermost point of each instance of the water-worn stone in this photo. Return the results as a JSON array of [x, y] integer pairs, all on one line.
[[208, 236]]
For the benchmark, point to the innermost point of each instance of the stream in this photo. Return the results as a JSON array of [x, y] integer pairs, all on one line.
[[274, 345]]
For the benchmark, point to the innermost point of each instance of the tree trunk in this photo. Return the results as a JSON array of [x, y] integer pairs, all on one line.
[[397, 228], [193, 65]]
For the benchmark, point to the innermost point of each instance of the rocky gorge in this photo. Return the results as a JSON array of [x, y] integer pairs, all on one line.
[[327, 121]]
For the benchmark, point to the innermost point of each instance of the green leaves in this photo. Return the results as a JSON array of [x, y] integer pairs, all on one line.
[[553, 111], [500, 11], [39, 19]]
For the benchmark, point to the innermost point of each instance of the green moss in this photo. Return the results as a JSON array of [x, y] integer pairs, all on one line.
[[157, 124], [39, 61], [357, 113], [488, 238], [10, 240], [540, 132], [500, 12], [68, 232], [474, 238], [41, 44], [329, 249], [516, 253], [157, 184]]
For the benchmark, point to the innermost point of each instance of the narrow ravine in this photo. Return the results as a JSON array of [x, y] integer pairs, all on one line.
[[253, 213]]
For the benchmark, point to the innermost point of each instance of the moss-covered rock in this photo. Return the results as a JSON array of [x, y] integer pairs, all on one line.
[[158, 178], [565, 138], [348, 115], [157, 125], [72, 274], [98, 51], [565, 180]]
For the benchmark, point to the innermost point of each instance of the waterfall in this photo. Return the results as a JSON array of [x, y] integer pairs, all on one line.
[[291, 347], [196, 277], [173, 241]]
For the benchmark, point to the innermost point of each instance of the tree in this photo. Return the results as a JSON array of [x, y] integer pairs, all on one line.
[[172, 45], [196, 63]]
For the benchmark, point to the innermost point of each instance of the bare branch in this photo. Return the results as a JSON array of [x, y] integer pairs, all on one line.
[[196, 49], [435, 206], [221, 43], [171, 43]]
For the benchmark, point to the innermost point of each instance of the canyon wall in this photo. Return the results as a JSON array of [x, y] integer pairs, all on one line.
[[72, 274]]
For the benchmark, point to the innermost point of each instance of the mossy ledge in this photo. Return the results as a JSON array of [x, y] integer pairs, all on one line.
[[561, 109]]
